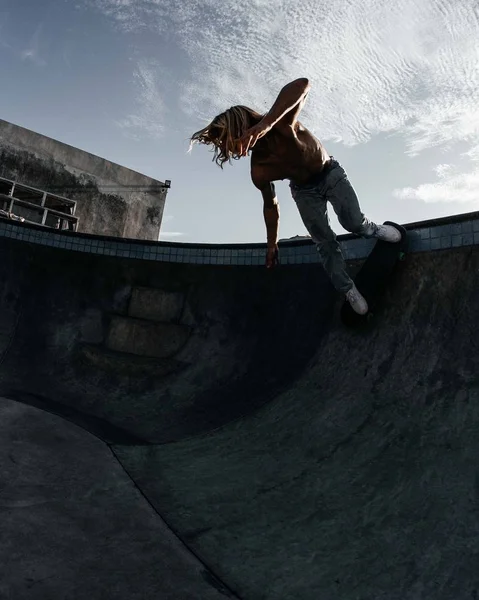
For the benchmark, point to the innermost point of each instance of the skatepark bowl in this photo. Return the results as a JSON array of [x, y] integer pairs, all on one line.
[[180, 423]]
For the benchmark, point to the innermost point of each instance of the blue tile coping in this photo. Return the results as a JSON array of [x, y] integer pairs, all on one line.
[[424, 236]]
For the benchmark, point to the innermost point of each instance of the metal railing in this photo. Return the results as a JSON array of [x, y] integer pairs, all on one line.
[[26, 203]]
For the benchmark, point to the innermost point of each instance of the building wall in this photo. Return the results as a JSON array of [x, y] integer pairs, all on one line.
[[111, 199]]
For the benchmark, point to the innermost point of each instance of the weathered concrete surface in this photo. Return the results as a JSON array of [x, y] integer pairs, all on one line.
[[146, 338], [156, 305], [295, 458], [65, 304], [112, 200], [74, 525]]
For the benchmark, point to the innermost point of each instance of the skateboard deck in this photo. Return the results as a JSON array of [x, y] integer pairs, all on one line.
[[374, 276]]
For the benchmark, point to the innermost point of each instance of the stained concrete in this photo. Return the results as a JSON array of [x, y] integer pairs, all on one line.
[[156, 305], [111, 199], [65, 304], [145, 338], [294, 458]]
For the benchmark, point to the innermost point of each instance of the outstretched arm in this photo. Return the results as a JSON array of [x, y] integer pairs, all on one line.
[[271, 219], [290, 97], [287, 106]]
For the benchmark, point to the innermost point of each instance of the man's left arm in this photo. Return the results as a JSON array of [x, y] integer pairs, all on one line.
[[290, 97], [287, 106]]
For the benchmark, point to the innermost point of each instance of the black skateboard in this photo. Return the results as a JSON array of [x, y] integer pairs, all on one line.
[[374, 276]]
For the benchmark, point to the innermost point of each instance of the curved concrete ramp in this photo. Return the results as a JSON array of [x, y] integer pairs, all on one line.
[[293, 458], [359, 481], [157, 350], [74, 525]]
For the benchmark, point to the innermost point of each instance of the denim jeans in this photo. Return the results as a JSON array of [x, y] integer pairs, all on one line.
[[312, 198]]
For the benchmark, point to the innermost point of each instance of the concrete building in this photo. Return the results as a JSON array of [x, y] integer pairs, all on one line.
[[48, 182]]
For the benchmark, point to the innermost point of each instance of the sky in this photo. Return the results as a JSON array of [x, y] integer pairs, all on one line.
[[394, 97]]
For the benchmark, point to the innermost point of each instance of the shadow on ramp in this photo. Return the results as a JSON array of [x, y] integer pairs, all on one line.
[[293, 457]]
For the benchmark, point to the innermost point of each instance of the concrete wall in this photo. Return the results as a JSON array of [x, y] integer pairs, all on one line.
[[111, 199]]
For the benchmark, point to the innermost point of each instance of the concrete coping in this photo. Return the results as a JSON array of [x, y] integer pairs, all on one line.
[[424, 236]]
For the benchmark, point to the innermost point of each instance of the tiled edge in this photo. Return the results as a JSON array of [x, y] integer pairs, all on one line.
[[428, 236]]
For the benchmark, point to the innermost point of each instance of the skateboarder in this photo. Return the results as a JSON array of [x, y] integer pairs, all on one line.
[[282, 148]]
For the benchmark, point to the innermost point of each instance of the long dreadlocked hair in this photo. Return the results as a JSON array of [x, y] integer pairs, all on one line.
[[223, 132]]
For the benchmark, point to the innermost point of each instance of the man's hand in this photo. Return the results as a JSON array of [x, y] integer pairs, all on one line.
[[251, 136], [272, 256]]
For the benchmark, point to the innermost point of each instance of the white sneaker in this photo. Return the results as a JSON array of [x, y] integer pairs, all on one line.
[[388, 233], [357, 301]]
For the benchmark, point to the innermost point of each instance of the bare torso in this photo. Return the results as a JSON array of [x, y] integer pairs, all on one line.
[[288, 153]]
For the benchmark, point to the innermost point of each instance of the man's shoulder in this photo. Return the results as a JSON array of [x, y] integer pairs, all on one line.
[[285, 129], [274, 142]]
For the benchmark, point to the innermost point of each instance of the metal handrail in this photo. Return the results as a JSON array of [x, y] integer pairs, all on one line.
[[43, 210], [16, 184]]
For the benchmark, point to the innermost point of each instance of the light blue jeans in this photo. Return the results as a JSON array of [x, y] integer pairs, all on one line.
[[312, 199]]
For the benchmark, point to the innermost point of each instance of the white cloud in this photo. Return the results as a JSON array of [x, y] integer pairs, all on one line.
[[453, 185], [32, 51], [149, 118], [473, 153], [459, 187], [443, 170], [131, 16], [169, 234], [375, 66]]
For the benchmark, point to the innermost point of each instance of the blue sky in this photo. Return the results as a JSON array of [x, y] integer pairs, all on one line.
[[395, 96]]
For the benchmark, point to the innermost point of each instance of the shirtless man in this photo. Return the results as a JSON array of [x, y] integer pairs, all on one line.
[[282, 148]]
